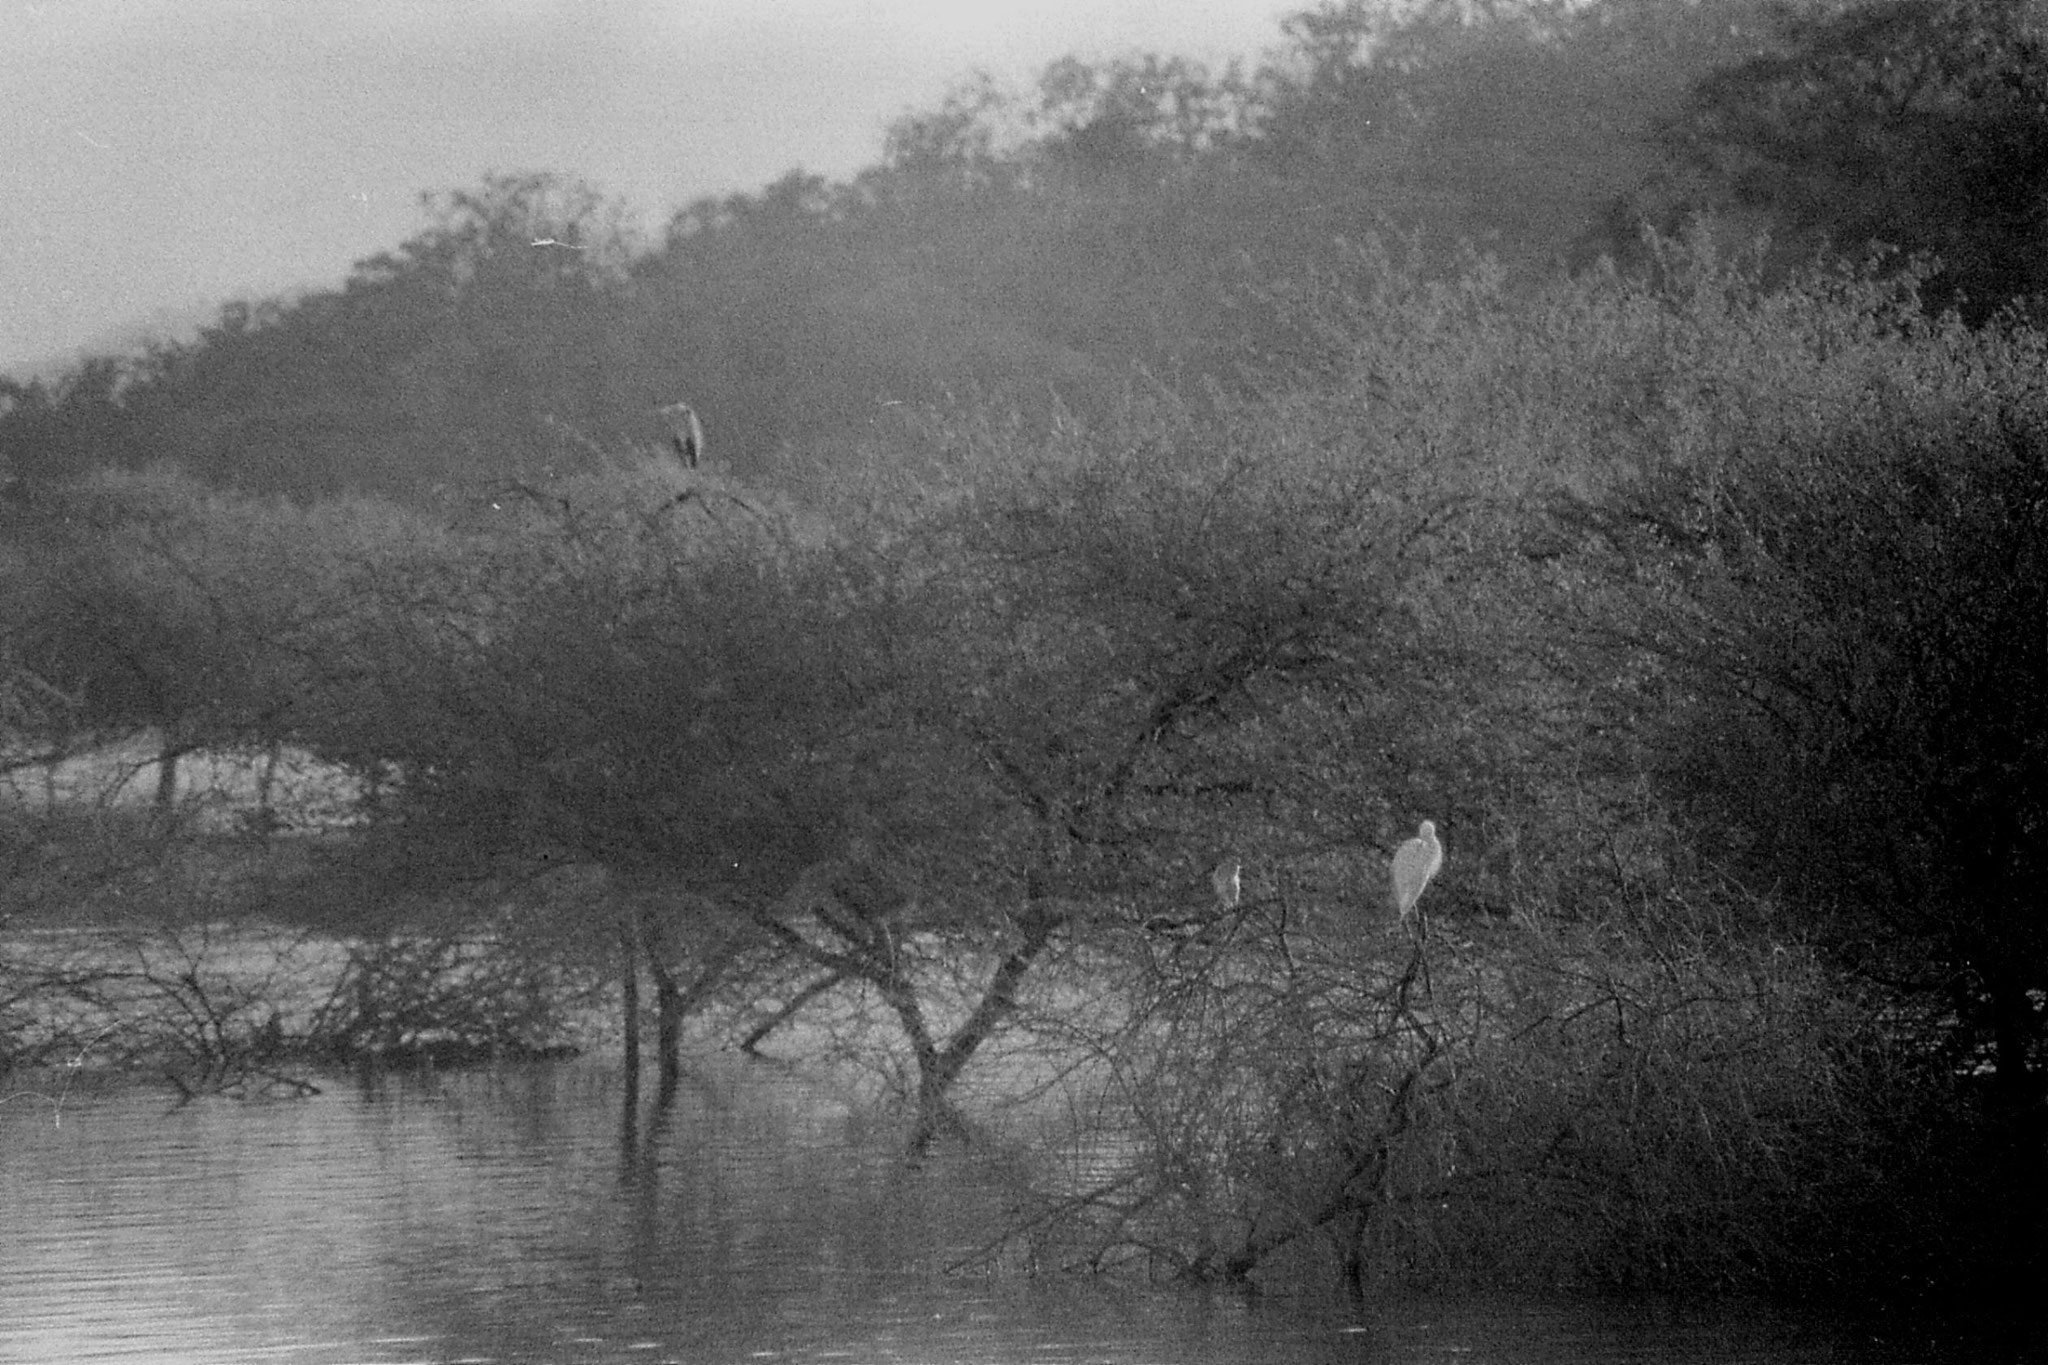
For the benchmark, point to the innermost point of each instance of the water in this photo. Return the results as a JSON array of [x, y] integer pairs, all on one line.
[[500, 1217]]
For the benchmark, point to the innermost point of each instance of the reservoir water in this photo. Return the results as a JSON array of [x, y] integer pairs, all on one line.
[[508, 1215]]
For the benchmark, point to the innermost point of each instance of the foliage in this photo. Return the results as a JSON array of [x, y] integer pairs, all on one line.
[[1821, 604], [51, 430], [477, 346], [1026, 246], [451, 999], [1584, 573], [1499, 1103], [1837, 598], [593, 684], [1508, 125], [238, 1007], [986, 706], [1780, 517], [1914, 123], [156, 604]]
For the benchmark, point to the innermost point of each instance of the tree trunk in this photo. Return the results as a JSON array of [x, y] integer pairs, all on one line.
[[668, 1016], [939, 1068], [629, 996], [167, 778], [266, 788]]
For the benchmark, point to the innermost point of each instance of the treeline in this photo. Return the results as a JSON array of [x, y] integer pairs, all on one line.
[[1701, 612], [1030, 250]]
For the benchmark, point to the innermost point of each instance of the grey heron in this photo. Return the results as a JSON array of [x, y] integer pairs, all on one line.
[[686, 431]]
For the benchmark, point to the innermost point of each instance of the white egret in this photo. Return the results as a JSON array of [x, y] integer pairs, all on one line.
[[1225, 880], [1415, 862]]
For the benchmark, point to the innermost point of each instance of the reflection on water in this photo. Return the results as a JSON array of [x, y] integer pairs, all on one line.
[[498, 1217]]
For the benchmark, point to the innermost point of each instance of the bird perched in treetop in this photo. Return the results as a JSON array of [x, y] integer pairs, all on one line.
[[687, 432], [1415, 862]]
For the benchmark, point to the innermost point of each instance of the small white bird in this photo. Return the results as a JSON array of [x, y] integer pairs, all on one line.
[[1415, 862], [1225, 880]]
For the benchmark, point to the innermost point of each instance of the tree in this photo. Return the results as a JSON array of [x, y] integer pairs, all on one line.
[[1508, 125], [1918, 124], [480, 347], [1834, 599], [155, 604], [52, 432]]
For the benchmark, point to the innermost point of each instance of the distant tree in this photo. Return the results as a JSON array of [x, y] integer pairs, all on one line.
[[155, 603], [1060, 235], [1917, 124], [501, 325], [964, 147], [279, 396], [480, 347], [1028, 247], [54, 431], [1508, 125], [1134, 120]]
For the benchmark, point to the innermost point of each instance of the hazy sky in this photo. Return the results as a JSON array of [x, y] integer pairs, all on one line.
[[166, 155]]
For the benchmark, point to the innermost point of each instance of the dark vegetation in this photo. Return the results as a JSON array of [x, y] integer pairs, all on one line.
[[1107, 485]]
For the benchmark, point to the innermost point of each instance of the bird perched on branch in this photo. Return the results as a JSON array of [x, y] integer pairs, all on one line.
[[686, 431], [1415, 862], [1207, 926], [1228, 887]]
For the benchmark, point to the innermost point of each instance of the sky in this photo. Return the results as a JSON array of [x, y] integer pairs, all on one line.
[[166, 156]]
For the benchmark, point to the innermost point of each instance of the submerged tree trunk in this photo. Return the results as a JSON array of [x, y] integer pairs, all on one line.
[[668, 1021], [668, 994], [167, 778], [266, 821], [939, 1068], [629, 1003], [171, 747], [861, 918]]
